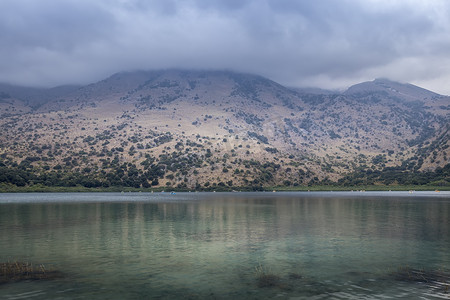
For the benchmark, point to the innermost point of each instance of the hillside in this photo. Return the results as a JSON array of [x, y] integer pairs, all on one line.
[[203, 129]]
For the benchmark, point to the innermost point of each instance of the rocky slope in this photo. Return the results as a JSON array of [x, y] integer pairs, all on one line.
[[203, 129]]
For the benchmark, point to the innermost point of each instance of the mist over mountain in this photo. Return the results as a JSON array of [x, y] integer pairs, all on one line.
[[217, 129]]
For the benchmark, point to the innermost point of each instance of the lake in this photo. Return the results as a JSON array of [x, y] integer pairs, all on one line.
[[293, 245]]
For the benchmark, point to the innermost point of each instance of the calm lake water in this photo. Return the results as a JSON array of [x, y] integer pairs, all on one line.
[[217, 245]]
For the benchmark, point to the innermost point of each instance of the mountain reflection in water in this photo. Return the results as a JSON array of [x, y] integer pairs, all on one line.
[[218, 245]]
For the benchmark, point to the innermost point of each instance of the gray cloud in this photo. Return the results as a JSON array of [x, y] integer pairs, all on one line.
[[327, 43]]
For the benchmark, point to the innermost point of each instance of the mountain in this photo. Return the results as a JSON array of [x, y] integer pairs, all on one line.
[[217, 129], [390, 89]]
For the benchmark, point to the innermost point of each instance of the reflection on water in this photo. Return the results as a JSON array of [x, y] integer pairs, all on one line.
[[211, 245]]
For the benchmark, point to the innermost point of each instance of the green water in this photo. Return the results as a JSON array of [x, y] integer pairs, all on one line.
[[215, 245]]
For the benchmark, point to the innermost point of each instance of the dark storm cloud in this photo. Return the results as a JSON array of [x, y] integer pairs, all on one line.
[[325, 43]]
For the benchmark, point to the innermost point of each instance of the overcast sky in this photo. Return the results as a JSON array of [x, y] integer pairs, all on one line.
[[325, 43]]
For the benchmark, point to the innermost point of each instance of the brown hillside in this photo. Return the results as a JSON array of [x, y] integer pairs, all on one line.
[[200, 129]]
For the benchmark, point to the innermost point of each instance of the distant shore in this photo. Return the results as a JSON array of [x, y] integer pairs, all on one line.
[[81, 189]]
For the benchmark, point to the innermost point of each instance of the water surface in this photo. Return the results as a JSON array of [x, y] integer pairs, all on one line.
[[216, 245]]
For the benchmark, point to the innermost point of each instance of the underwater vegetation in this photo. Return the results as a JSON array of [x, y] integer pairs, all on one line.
[[18, 271], [436, 281], [265, 278], [421, 275], [436, 278]]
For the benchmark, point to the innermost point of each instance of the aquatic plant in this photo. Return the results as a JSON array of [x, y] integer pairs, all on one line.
[[421, 275], [295, 276], [265, 278], [438, 279], [17, 271]]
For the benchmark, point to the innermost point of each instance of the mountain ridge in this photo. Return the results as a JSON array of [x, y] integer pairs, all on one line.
[[405, 91], [378, 84]]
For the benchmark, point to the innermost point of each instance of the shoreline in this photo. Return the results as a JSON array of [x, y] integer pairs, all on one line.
[[329, 188]]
